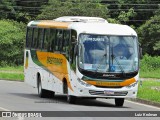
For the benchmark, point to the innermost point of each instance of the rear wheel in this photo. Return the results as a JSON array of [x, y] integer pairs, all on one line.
[[42, 92], [119, 102], [50, 94]]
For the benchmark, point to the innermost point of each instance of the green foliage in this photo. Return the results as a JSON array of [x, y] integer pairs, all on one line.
[[143, 10], [125, 16], [150, 90], [55, 9], [12, 36], [12, 76], [150, 67], [6, 9], [149, 36], [149, 63]]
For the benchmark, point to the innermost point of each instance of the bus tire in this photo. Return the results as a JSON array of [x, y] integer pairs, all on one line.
[[50, 94], [119, 102], [41, 91], [71, 99]]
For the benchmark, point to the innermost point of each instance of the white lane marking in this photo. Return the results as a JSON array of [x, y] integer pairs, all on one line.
[[143, 104], [4, 109]]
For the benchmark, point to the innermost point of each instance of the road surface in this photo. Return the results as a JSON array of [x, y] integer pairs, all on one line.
[[19, 96]]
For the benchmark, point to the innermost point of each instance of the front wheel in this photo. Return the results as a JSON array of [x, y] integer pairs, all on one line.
[[71, 99], [119, 102]]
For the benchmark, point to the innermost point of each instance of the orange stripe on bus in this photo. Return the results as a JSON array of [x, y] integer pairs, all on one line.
[[114, 84], [53, 24]]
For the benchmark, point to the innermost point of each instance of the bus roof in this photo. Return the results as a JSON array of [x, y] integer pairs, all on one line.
[[104, 28], [81, 19]]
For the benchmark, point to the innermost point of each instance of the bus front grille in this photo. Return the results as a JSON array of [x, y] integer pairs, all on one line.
[[103, 93]]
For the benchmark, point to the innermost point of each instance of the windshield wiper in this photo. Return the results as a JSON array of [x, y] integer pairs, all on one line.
[[117, 61], [101, 60], [119, 65]]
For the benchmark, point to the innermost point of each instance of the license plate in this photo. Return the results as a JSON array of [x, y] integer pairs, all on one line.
[[108, 92]]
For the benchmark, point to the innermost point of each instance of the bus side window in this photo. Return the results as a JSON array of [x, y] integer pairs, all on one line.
[[29, 37], [52, 39], [72, 44], [59, 40], [46, 40], [40, 38], [65, 43], [35, 38]]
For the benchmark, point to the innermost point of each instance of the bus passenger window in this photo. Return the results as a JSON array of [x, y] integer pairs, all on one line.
[[52, 39], [29, 37], [46, 39], [40, 38], [35, 38], [59, 40], [72, 55], [65, 43]]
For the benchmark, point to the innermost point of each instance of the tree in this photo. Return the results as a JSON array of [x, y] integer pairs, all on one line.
[[6, 9], [12, 36], [149, 35], [57, 8], [143, 10]]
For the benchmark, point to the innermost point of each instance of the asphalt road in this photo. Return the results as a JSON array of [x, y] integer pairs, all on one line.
[[18, 96]]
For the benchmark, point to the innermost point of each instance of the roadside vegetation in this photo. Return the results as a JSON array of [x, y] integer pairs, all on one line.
[[12, 73], [150, 90], [150, 67]]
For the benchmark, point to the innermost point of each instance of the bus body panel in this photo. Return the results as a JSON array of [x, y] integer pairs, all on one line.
[[55, 67]]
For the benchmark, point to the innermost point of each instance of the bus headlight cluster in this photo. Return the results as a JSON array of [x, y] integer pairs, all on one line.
[[83, 82], [132, 85]]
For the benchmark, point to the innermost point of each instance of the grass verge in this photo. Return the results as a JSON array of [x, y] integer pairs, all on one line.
[[9, 68], [150, 90], [12, 76], [150, 74], [12, 73]]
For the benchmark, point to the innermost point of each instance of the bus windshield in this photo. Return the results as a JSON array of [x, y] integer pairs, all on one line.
[[104, 53]]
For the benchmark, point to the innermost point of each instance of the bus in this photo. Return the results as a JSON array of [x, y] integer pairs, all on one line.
[[82, 57]]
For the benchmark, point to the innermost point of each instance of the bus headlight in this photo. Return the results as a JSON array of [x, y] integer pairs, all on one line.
[[83, 82], [132, 85]]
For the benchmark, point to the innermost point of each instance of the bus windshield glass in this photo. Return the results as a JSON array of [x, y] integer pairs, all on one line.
[[104, 53]]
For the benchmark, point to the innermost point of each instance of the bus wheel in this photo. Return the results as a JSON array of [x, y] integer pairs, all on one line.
[[50, 94], [41, 92], [119, 102], [71, 99]]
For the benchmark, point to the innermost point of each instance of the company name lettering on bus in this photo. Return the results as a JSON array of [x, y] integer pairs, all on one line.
[[108, 75], [95, 39], [56, 61]]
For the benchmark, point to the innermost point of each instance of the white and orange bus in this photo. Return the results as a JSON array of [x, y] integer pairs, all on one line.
[[82, 57]]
